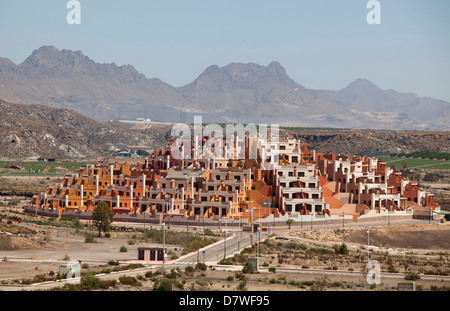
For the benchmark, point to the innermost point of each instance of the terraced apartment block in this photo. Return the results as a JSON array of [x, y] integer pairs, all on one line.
[[283, 178]]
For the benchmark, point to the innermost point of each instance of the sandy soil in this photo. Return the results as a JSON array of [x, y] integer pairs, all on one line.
[[38, 254]]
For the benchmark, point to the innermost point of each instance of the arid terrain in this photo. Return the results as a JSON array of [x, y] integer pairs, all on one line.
[[30, 250], [291, 260]]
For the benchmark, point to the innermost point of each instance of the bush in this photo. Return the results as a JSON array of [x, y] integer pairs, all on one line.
[[164, 285], [189, 269], [293, 245], [412, 276], [272, 269], [89, 238], [201, 266], [248, 268], [123, 249], [226, 261], [341, 249], [242, 286], [129, 280], [113, 263], [320, 251], [89, 282]]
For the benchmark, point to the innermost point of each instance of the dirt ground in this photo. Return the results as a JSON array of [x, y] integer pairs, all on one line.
[[33, 250], [434, 236]]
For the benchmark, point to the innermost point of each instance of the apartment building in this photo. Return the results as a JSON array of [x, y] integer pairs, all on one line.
[[250, 178]]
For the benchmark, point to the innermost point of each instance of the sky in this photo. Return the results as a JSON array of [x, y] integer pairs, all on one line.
[[322, 44]]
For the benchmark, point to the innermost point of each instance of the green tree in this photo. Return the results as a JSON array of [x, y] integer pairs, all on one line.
[[102, 216], [289, 222]]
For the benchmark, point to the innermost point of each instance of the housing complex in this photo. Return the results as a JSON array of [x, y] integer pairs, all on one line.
[[249, 179]]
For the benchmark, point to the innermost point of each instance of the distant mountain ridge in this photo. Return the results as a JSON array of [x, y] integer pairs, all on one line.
[[233, 93]]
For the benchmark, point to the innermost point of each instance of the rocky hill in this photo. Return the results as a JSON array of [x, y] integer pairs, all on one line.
[[371, 142], [36, 131], [33, 131], [233, 93]]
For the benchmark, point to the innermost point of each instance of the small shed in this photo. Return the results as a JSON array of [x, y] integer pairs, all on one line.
[[151, 254]]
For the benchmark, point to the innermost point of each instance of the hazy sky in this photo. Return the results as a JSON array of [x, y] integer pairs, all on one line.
[[322, 44]]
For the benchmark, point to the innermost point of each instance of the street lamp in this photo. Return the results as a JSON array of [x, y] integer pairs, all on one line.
[[343, 219], [368, 250], [225, 244], [251, 211], [164, 243], [257, 249]]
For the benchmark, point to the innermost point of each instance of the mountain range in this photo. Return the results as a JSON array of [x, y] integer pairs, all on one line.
[[234, 93]]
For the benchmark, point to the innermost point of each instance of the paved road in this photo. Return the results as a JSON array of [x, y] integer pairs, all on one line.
[[226, 248]]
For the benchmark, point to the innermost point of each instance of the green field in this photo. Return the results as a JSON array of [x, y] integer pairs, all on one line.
[[430, 164], [44, 168]]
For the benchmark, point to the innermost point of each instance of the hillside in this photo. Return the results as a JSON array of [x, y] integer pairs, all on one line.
[[372, 142], [233, 93], [37, 131], [33, 131]]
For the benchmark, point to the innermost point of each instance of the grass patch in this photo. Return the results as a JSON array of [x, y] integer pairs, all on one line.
[[431, 164]]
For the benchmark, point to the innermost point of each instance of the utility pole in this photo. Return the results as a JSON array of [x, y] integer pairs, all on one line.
[[164, 243], [225, 244], [257, 249]]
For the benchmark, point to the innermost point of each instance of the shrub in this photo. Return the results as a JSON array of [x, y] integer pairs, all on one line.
[[293, 245], [123, 249], [113, 263], [248, 268], [272, 269], [242, 286], [164, 285], [89, 238], [341, 249], [129, 280], [412, 276], [201, 266], [226, 261]]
